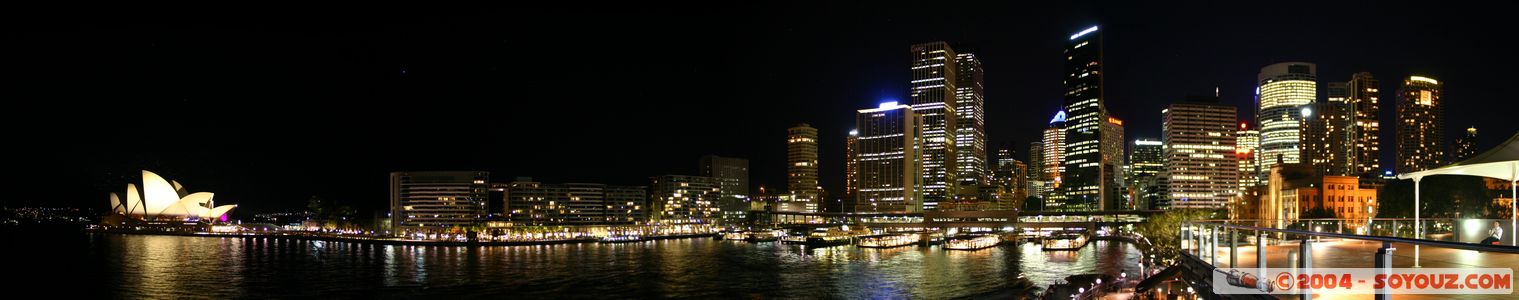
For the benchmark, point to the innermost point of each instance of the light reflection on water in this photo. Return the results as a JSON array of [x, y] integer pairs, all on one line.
[[172, 266]]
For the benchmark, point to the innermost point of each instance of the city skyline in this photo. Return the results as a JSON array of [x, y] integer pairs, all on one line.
[[244, 146]]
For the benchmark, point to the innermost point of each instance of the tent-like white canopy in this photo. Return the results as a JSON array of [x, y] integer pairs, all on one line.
[[1501, 163]]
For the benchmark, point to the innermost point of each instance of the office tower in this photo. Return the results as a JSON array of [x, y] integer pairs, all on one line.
[[1247, 143], [733, 175], [1421, 125], [684, 199], [1083, 182], [802, 163], [532, 203], [1036, 182], [1054, 162], [1326, 126], [1010, 176], [851, 169], [1113, 162], [422, 201], [1145, 165], [889, 153], [1202, 169], [933, 99], [1284, 91], [970, 124], [1365, 145], [1466, 146]]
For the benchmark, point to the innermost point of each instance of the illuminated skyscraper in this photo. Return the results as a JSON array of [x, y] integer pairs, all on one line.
[[1466, 146], [851, 168], [1036, 181], [1326, 137], [733, 175], [1145, 165], [1365, 146], [934, 66], [970, 130], [1247, 143], [1083, 182], [1201, 166], [1421, 125], [1054, 158], [1113, 159], [888, 146], [1284, 92], [802, 163]]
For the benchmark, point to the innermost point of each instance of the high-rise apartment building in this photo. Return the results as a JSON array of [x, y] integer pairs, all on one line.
[[531, 203], [684, 199], [802, 163], [733, 175], [1421, 125]]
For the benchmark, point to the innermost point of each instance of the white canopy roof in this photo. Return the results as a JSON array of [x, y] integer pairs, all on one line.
[[1501, 162]]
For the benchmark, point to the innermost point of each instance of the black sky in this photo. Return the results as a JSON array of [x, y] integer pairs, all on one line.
[[267, 107]]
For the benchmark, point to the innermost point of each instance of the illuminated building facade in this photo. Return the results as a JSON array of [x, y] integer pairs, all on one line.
[[1146, 163], [1421, 125], [733, 175], [802, 163], [1113, 162], [531, 203], [933, 89], [1247, 143], [1325, 132], [432, 200], [1365, 146], [1465, 146], [1036, 182], [164, 200], [851, 169], [888, 160], [684, 199], [1284, 92], [970, 121], [1054, 162], [1201, 166], [1083, 182], [1011, 179]]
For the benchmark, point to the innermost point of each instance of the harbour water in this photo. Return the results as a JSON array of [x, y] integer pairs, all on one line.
[[148, 266]]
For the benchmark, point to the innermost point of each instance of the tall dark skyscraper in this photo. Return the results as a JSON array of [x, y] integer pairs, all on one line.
[[1421, 125], [970, 116], [1146, 163], [1083, 182], [1365, 133], [1465, 146], [933, 87], [851, 169], [733, 175], [1326, 138]]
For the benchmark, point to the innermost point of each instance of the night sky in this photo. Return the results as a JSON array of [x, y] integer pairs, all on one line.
[[268, 107]]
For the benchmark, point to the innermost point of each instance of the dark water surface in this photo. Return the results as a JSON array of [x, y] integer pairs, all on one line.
[[139, 266]]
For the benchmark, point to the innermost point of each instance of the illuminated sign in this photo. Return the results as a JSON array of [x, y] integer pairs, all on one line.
[[1115, 121], [889, 104], [1059, 117], [1424, 79]]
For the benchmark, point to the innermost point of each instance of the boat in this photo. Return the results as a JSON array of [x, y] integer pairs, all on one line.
[[764, 236], [888, 240], [619, 239], [733, 235], [975, 242], [829, 237], [1062, 241]]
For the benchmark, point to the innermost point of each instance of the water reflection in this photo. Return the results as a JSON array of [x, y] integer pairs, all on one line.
[[171, 266]]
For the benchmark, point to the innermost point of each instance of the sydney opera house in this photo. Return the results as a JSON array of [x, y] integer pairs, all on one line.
[[164, 200]]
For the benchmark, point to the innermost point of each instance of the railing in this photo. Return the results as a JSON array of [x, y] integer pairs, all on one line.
[[1201, 239]]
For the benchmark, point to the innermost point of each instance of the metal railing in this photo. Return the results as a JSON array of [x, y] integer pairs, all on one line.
[[1200, 240]]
